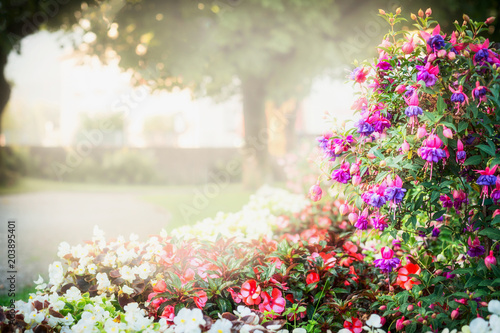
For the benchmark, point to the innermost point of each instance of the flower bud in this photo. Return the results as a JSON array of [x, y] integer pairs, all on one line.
[[405, 147], [356, 180], [420, 13], [496, 212], [382, 308], [466, 54], [490, 260], [413, 17], [382, 320], [447, 132], [401, 88], [354, 169], [490, 20], [439, 272], [409, 307], [421, 132], [428, 12], [398, 11], [353, 217], [407, 48], [381, 12], [466, 18], [441, 53], [431, 57], [371, 156], [451, 55], [343, 209], [382, 164], [315, 192], [433, 316], [399, 324], [454, 314]]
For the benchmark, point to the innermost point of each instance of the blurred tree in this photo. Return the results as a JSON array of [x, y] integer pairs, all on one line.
[[261, 49], [20, 18]]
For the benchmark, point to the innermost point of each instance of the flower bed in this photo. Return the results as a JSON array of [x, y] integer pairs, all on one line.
[[410, 246]]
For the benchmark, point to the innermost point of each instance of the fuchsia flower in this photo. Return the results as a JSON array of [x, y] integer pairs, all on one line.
[[435, 41], [376, 197], [475, 248], [413, 110], [359, 74], [362, 221], [479, 93], [394, 190], [495, 194], [428, 74], [409, 46], [401, 88], [274, 302], [483, 54], [379, 222], [490, 260], [458, 97], [421, 132], [387, 263], [405, 147], [459, 198], [342, 175], [431, 151], [315, 192], [486, 179], [461, 154], [456, 46]]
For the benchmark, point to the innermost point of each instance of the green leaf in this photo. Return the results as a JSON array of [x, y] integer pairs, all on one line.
[[441, 105], [462, 126], [490, 233], [487, 149], [473, 160]]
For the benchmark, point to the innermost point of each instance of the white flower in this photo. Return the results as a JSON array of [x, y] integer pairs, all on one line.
[[144, 271], [102, 281], [494, 307], [92, 269], [79, 251], [133, 237], [35, 316], [73, 294], [188, 320], [374, 321], [299, 330], [56, 273], [221, 326], [127, 273], [111, 326], [479, 325], [242, 311], [68, 319], [127, 290], [63, 249], [495, 323]]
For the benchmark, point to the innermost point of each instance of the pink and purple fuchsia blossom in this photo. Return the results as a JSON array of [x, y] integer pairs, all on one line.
[[431, 151], [387, 263], [486, 179], [394, 190], [342, 175], [362, 221], [475, 248], [428, 74]]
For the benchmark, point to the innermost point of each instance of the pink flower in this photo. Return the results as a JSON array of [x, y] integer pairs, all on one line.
[[447, 132], [400, 89], [200, 299], [461, 155], [409, 46], [490, 260], [421, 132], [250, 292], [354, 325], [160, 286], [312, 277], [405, 147], [274, 302], [169, 314], [315, 192], [479, 93]]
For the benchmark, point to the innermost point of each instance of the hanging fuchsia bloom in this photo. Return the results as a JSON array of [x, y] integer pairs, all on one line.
[[379, 222], [458, 97], [475, 248], [413, 110], [359, 74], [479, 93], [431, 150], [486, 179], [461, 154], [495, 194], [342, 175], [379, 122], [315, 192], [362, 221], [435, 41], [383, 63], [428, 74], [456, 46], [376, 196], [360, 104], [459, 198], [387, 263], [395, 191], [446, 201], [483, 54], [409, 46]]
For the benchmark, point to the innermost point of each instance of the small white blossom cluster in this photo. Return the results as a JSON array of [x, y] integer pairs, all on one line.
[[254, 220], [480, 325]]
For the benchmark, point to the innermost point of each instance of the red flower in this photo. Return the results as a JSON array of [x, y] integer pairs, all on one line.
[[354, 325], [200, 299], [312, 277], [328, 259], [160, 286], [404, 279], [250, 292], [168, 313], [274, 302]]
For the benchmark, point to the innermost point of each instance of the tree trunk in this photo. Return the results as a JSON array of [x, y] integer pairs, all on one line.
[[256, 167], [4, 87]]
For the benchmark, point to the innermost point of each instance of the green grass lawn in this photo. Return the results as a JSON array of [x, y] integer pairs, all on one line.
[[22, 294]]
